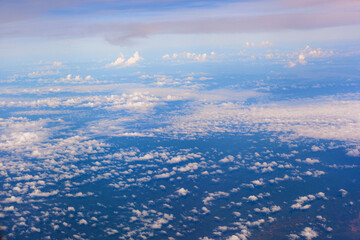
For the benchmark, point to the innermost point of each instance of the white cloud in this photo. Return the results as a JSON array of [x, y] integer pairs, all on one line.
[[57, 64], [266, 44], [118, 62], [75, 79], [355, 152], [299, 57], [38, 193], [343, 192], [200, 57], [252, 198], [227, 159], [133, 60], [83, 222], [42, 73], [12, 199], [213, 196], [182, 192], [308, 233], [305, 199], [258, 182], [311, 161], [335, 120], [163, 175], [121, 62]]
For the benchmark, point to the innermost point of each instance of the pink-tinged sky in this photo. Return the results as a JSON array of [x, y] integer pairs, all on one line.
[[31, 25]]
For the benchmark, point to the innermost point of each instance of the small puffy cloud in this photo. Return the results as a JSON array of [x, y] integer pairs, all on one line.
[[200, 57], [34, 229], [38, 193], [275, 208], [305, 199], [261, 44], [75, 79], [252, 198], [163, 175], [353, 152], [263, 210], [309, 234], [133, 60], [42, 73], [316, 148], [299, 206], [343, 192], [57, 64], [121, 62], [293, 236], [12, 199], [266, 44], [71, 209], [227, 159], [300, 57], [311, 161], [183, 192], [259, 182], [83, 222], [233, 237], [250, 44], [255, 223], [266, 210]]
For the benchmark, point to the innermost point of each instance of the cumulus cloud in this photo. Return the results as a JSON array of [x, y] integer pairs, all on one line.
[[75, 79], [308, 233], [12, 199], [306, 199], [39, 193], [201, 57], [252, 198], [311, 161], [122, 62], [57, 64], [336, 120], [300, 57], [182, 192], [354, 152], [343, 192]]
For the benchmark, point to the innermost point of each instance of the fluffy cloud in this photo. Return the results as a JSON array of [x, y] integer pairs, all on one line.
[[75, 79], [337, 120], [201, 57], [309, 234], [182, 192], [121, 62], [38, 193], [300, 57], [305, 199]]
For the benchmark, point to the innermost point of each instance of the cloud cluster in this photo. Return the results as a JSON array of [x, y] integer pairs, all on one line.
[[301, 56], [122, 62], [201, 57]]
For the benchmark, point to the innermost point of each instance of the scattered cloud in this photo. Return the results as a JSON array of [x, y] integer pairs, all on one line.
[[122, 62], [300, 57], [308, 233], [201, 57]]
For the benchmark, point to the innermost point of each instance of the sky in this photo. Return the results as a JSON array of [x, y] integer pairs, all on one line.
[[99, 29], [201, 120]]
